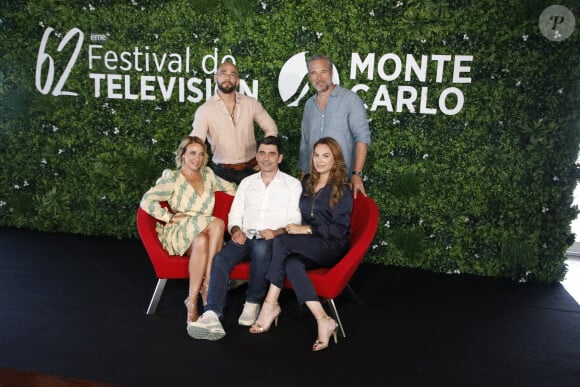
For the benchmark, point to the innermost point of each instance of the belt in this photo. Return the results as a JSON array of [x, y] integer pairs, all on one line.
[[240, 167]]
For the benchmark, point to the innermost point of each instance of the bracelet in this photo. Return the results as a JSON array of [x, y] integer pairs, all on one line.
[[358, 173]]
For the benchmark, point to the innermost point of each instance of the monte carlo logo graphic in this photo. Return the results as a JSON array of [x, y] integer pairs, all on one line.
[[293, 80], [395, 82]]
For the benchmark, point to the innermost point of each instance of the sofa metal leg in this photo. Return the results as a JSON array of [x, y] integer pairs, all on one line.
[[334, 313], [156, 295], [353, 294]]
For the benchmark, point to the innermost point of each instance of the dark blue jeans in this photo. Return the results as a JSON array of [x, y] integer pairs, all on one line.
[[258, 252], [231, 174]]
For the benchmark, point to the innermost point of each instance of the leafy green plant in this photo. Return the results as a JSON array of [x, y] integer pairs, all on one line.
[[486, 191]]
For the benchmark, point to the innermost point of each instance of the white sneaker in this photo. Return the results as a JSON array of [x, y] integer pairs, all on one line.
[[249, 314], [207, 327]]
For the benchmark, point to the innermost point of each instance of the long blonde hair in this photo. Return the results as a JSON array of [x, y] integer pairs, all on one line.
[[187, 140], [337, 177]]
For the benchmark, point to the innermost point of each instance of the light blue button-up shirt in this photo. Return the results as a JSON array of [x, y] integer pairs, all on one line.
[[344, 119]]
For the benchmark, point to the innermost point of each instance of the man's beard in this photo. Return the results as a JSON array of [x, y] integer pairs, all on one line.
[[226, 90], [324, 88]]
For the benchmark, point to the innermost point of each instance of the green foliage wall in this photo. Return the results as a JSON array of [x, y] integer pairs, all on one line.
[[486, 191]]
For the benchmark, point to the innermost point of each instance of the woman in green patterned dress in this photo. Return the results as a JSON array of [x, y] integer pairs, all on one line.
[[189, 227]]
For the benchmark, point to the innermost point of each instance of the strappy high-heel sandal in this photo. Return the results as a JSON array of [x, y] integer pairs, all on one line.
[[319, 345], [191, 305], [203, 291], [261, 327]]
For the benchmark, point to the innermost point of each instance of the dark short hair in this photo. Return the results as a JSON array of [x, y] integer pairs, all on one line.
[[270, 140]]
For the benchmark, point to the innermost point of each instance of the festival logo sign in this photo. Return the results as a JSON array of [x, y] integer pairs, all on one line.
[[407, 71], [133, 73]]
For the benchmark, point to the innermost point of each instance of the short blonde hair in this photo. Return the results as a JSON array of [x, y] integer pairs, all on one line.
[[188, 140]]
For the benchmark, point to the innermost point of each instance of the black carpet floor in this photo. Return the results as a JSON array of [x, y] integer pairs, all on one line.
[[75, 306]]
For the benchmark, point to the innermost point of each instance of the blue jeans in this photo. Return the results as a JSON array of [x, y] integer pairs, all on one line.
[[258, 252], [231, 174]]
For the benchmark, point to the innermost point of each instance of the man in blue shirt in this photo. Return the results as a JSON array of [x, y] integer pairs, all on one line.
[[338, 113]]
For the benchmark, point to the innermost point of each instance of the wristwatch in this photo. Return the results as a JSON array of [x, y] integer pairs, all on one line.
[[358, 173]]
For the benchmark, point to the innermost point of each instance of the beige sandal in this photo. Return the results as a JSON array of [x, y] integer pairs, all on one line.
[[319, 345], [261, 328], [192, 313]]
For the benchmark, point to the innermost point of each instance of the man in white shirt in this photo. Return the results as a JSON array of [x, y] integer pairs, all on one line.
[[264, 204]]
